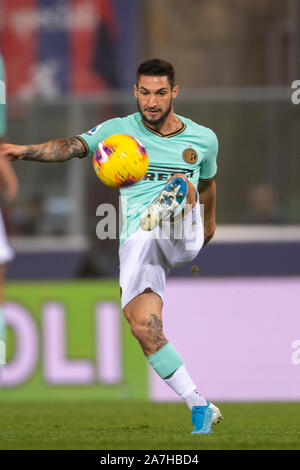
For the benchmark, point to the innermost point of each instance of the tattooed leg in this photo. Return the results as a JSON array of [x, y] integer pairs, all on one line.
[[144, 314]]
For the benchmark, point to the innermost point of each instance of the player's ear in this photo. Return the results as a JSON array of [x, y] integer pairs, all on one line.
[[135, 90], [175, 91]]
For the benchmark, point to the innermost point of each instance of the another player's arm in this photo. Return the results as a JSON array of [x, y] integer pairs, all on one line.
[[57, 150], [207, 193]]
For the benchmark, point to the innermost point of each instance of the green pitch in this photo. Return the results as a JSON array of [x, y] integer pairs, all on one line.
[[143, 425]]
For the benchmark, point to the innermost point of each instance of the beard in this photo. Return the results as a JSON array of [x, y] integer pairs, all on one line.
[[155, 122]]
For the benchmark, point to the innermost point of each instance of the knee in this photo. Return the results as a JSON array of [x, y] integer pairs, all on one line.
[[191, 192], [146, 329], [138, 325]]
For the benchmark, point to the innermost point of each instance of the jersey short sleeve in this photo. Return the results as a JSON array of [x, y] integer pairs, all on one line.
[[94, 136], [208, 167], [2, 100]]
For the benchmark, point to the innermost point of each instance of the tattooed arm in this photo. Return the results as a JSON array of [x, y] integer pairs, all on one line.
[[57, 150]]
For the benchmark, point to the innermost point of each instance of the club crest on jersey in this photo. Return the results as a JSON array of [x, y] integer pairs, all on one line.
[[190, 155]]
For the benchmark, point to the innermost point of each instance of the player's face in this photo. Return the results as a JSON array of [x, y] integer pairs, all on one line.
[[154, 98]]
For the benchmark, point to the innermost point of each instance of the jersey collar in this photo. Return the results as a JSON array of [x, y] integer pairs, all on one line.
[[172, 134]]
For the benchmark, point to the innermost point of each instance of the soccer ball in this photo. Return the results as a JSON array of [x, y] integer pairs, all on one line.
[[120, 160]]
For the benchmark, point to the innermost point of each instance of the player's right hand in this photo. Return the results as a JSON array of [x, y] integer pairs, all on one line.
[[12, 152]]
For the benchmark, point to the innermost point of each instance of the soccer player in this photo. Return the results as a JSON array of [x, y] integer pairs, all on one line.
[[182, 159], [9, 183]]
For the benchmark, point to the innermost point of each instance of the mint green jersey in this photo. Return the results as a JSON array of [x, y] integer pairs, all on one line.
[[192, 150], [2, 99]]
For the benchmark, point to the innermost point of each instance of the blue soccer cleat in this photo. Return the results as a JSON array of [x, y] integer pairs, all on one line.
[[169, 202], [202, 419]]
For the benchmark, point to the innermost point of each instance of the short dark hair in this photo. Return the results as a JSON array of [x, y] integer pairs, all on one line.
[[156, 67]]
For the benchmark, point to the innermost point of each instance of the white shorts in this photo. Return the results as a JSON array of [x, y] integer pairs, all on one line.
[[146, 258], [6, 253]]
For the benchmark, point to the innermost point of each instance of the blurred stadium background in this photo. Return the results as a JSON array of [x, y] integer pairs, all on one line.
[[70, 65]]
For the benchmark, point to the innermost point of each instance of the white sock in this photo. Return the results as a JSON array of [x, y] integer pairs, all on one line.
[[195, 399], [183, 385]]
